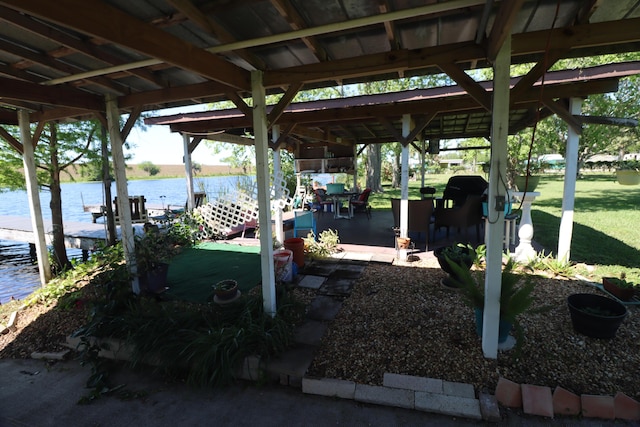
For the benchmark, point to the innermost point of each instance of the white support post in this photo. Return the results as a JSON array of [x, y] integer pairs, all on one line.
[[120, 169], [188, 170], [262, 175], [404, 184], [355, 167], [35, 208], [277, 168], [494, 235], [423, 155], [570, 175]]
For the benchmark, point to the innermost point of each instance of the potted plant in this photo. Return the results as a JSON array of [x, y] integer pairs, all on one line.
[[458, 253], [153, 251], [225, 290], [619, 287], [514, 299], [527, 175], [628, 172], [595, 316]]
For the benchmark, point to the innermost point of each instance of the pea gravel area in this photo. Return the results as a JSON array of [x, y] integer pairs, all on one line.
[[400, 319]]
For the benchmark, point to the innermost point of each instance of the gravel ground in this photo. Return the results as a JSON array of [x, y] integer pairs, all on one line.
[[402, 320]]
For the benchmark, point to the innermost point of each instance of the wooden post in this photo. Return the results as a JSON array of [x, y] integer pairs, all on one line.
[[35, 208], [569, 192], [126, 229], [106, 182], [188, 170], [277, 168], [404, 183], [262, 176], [494, 234]]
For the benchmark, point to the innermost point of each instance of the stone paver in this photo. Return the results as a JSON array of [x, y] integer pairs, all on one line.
[[411, 382], [537, 400], [458, 389], [324, 308], [336, 287], [489, 407], [357, 256], [383, 258], [311, 282], [293, 362], [320, 268], [310, 332], [385, 396], [449, 405], [348, 271], [329, 387]]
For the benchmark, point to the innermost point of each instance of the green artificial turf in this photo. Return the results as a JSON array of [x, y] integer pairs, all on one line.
[[194, 272]]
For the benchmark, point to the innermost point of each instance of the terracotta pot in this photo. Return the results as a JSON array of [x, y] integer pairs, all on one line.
[[226, 289], [403, 242], [623, 294]]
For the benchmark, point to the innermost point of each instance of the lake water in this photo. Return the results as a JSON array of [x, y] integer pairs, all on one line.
[[19, 277]]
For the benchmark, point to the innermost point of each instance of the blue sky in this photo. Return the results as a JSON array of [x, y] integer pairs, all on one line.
[[158, 145]]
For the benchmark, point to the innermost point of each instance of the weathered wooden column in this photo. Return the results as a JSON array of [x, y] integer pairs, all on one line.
[[35, 208], [262, 176], [120, 169], [188, 170], [277, 168]]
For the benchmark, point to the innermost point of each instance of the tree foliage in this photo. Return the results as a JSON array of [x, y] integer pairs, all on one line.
[[149, 168]]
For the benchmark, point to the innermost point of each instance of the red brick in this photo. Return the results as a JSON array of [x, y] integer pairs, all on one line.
[[537, 400], [626, 408], [597, 406], [509, 393], [565, 402]]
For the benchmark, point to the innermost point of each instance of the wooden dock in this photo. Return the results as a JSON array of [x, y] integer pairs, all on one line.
[[78, 235]]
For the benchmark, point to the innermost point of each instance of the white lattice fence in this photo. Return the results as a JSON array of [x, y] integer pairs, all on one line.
[[239, 206]]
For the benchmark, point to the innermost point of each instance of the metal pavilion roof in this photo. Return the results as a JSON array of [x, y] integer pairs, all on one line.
[[59, 59], [450, 111]]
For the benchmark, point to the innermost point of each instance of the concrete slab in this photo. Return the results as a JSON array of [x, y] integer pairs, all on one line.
[[357, 256], [310, 332], [382, 258], [336, 287], [312, 282], [458, 389], [318, 268], [324, 308], [293, 362]]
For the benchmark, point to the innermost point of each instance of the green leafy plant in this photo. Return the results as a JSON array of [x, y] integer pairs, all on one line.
[[327, 244], [459, 252], [551, 264], [622, 282]]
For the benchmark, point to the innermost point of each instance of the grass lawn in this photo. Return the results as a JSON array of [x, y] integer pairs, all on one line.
[[606, 223]]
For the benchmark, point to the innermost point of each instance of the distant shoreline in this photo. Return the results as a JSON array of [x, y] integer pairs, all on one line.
[[167, 171]]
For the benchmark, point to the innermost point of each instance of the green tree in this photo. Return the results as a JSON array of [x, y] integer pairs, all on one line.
[[58, 150], [149, 168]]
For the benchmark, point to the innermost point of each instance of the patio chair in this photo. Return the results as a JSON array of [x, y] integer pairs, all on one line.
[[136, 205], [420, 216], [462, 217], [321, 201], [361, 203], [304, 220]]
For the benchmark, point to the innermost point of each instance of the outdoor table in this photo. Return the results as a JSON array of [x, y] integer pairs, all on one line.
[[338, 199]]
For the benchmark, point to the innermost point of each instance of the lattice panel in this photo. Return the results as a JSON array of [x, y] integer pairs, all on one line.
[[240, 206]]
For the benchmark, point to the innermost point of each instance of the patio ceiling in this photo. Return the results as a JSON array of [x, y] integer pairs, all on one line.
[[60, 59]]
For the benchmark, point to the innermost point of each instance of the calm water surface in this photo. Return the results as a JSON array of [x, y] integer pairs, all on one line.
[[19, 277]]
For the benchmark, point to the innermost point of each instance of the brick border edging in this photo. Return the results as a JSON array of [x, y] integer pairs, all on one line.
[[539, 400]]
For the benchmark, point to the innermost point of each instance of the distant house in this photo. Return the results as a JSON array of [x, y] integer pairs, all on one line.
[[449, 163]]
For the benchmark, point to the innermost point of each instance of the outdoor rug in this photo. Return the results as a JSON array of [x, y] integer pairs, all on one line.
[[194, 272]]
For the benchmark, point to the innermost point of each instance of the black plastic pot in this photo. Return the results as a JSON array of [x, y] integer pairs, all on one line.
[[595, 316], [466, 261]]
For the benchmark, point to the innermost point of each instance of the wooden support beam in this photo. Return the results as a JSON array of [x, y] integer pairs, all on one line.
[[560, 108], [283, 103], [502, 25], [476, 91], [14, 143]]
